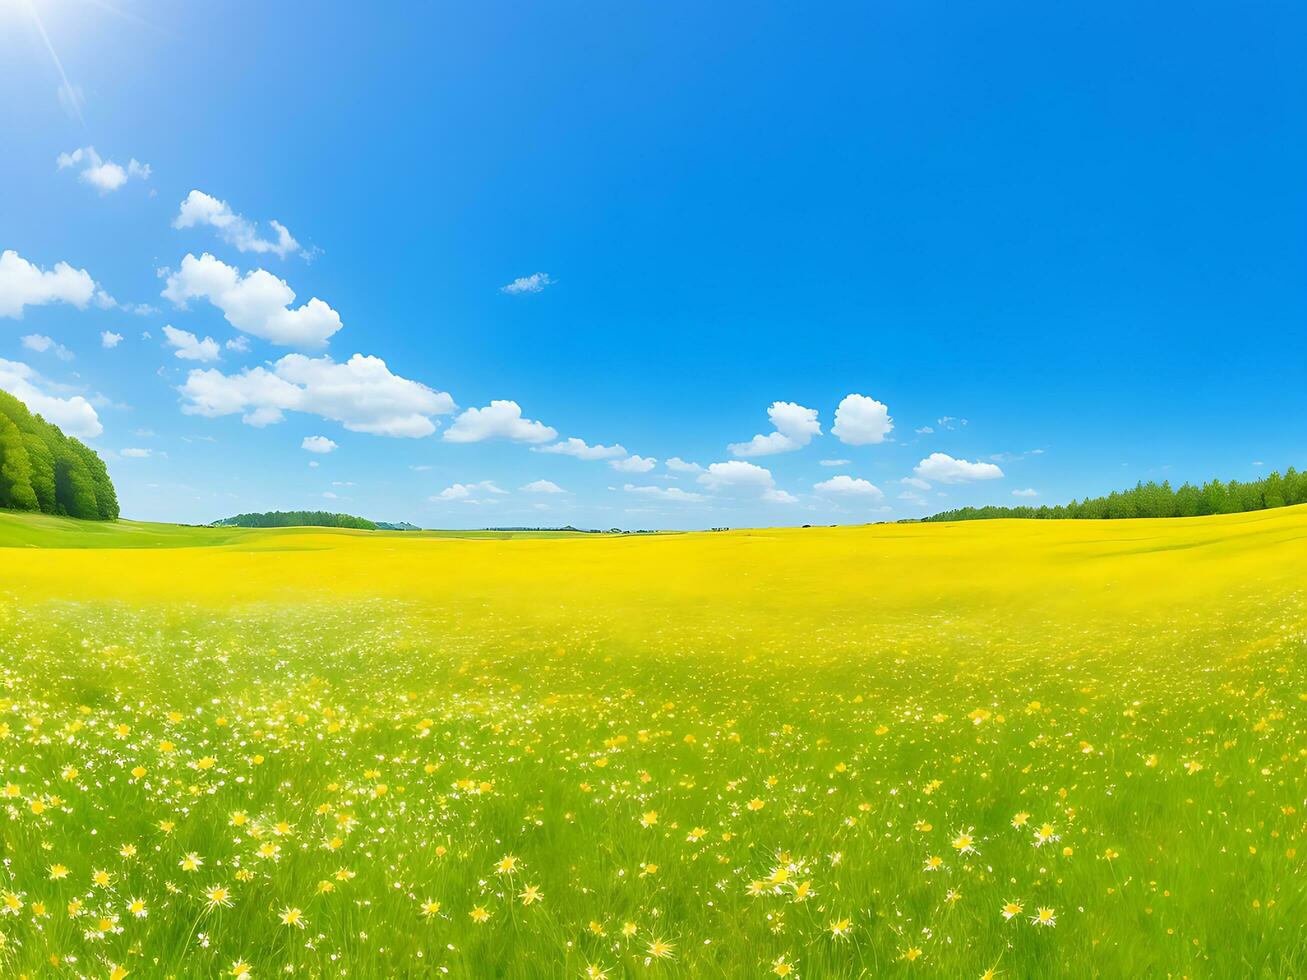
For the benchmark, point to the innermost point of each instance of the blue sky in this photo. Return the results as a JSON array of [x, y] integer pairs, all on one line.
[[1079, 230]]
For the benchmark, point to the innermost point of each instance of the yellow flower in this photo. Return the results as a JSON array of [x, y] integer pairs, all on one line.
[[649, 818], [659, 950], [58, 871], [531, 894], [479, 915], [217, 896], [506, 865], [1011, 909], [191, 862], [911, 954], [781, 966], [430, 909], [840, 928], [293, 917], [101, 878], [118, 973], [756, 804], [1044, 917]]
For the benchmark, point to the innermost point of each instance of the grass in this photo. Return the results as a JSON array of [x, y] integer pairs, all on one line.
[[812, 752]]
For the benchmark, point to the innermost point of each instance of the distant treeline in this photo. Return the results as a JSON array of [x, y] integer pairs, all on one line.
[[297, 518], [1158, 500], [41, 469]]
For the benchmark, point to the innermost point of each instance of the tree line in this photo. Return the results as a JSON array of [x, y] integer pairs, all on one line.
[[1158, 500], [43, 470], [297, 518]]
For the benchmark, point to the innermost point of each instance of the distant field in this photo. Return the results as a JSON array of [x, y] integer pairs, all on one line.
[[1040, 749]]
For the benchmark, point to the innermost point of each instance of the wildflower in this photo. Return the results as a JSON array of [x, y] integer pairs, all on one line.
[[629, 929], [1020, 820], [58, 871], [137, 908], [782, 967], [593, 972], [756, 804], [506, 865], [1011, 909], [649, 818], [911, 954], [217, 896], [933, 863], [191, 862], [293, 917], [101, 878], [479, 915], [1044, 917], [430, 909], [531, 894], [963, 842], [659, 950], [1045, 834]]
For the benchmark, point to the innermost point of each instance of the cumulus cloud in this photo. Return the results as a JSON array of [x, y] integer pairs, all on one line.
[[318, 444], [861, 421], [361, 394], [189, 347], [633, 464], [104, 175], [678, 465], [40, 343], [836, 462], [943, 468], [795, 426], [534, 283], [774, 496], [578, 448], [74, 415], [848, 486], [24, 284], [134, 453], [257, 303], [543, 486], [675, 494], [737, 475], [467, 492], [915, 481], [501, 419], [202, 209], [1028, 492], [109, 339]]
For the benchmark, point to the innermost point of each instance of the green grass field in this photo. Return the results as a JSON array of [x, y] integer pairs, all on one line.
[[1025, 749]]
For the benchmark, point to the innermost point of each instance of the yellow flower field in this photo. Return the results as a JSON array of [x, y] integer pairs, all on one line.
[[1026, 749]]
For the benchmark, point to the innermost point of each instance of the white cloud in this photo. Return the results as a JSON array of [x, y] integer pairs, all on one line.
[[24, 284], [40, 343], [925, 430], [202, 209], [949, 422], [633, 464], [848, 486], [836, 462], [191, 348], [861, 421], [109, 339], [103, 175], [1028, 492], [736, 474], [543, 486], [135, 453], [466, 492], [501, 419], [75, 416], [534, 283], [238, 345], [915, 481], [675, 494], [361, 394], [943, 468], [257, 303], [678, 465], [318, 444], [795, 426], [577, 447], [913, 498], [779, 497]]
